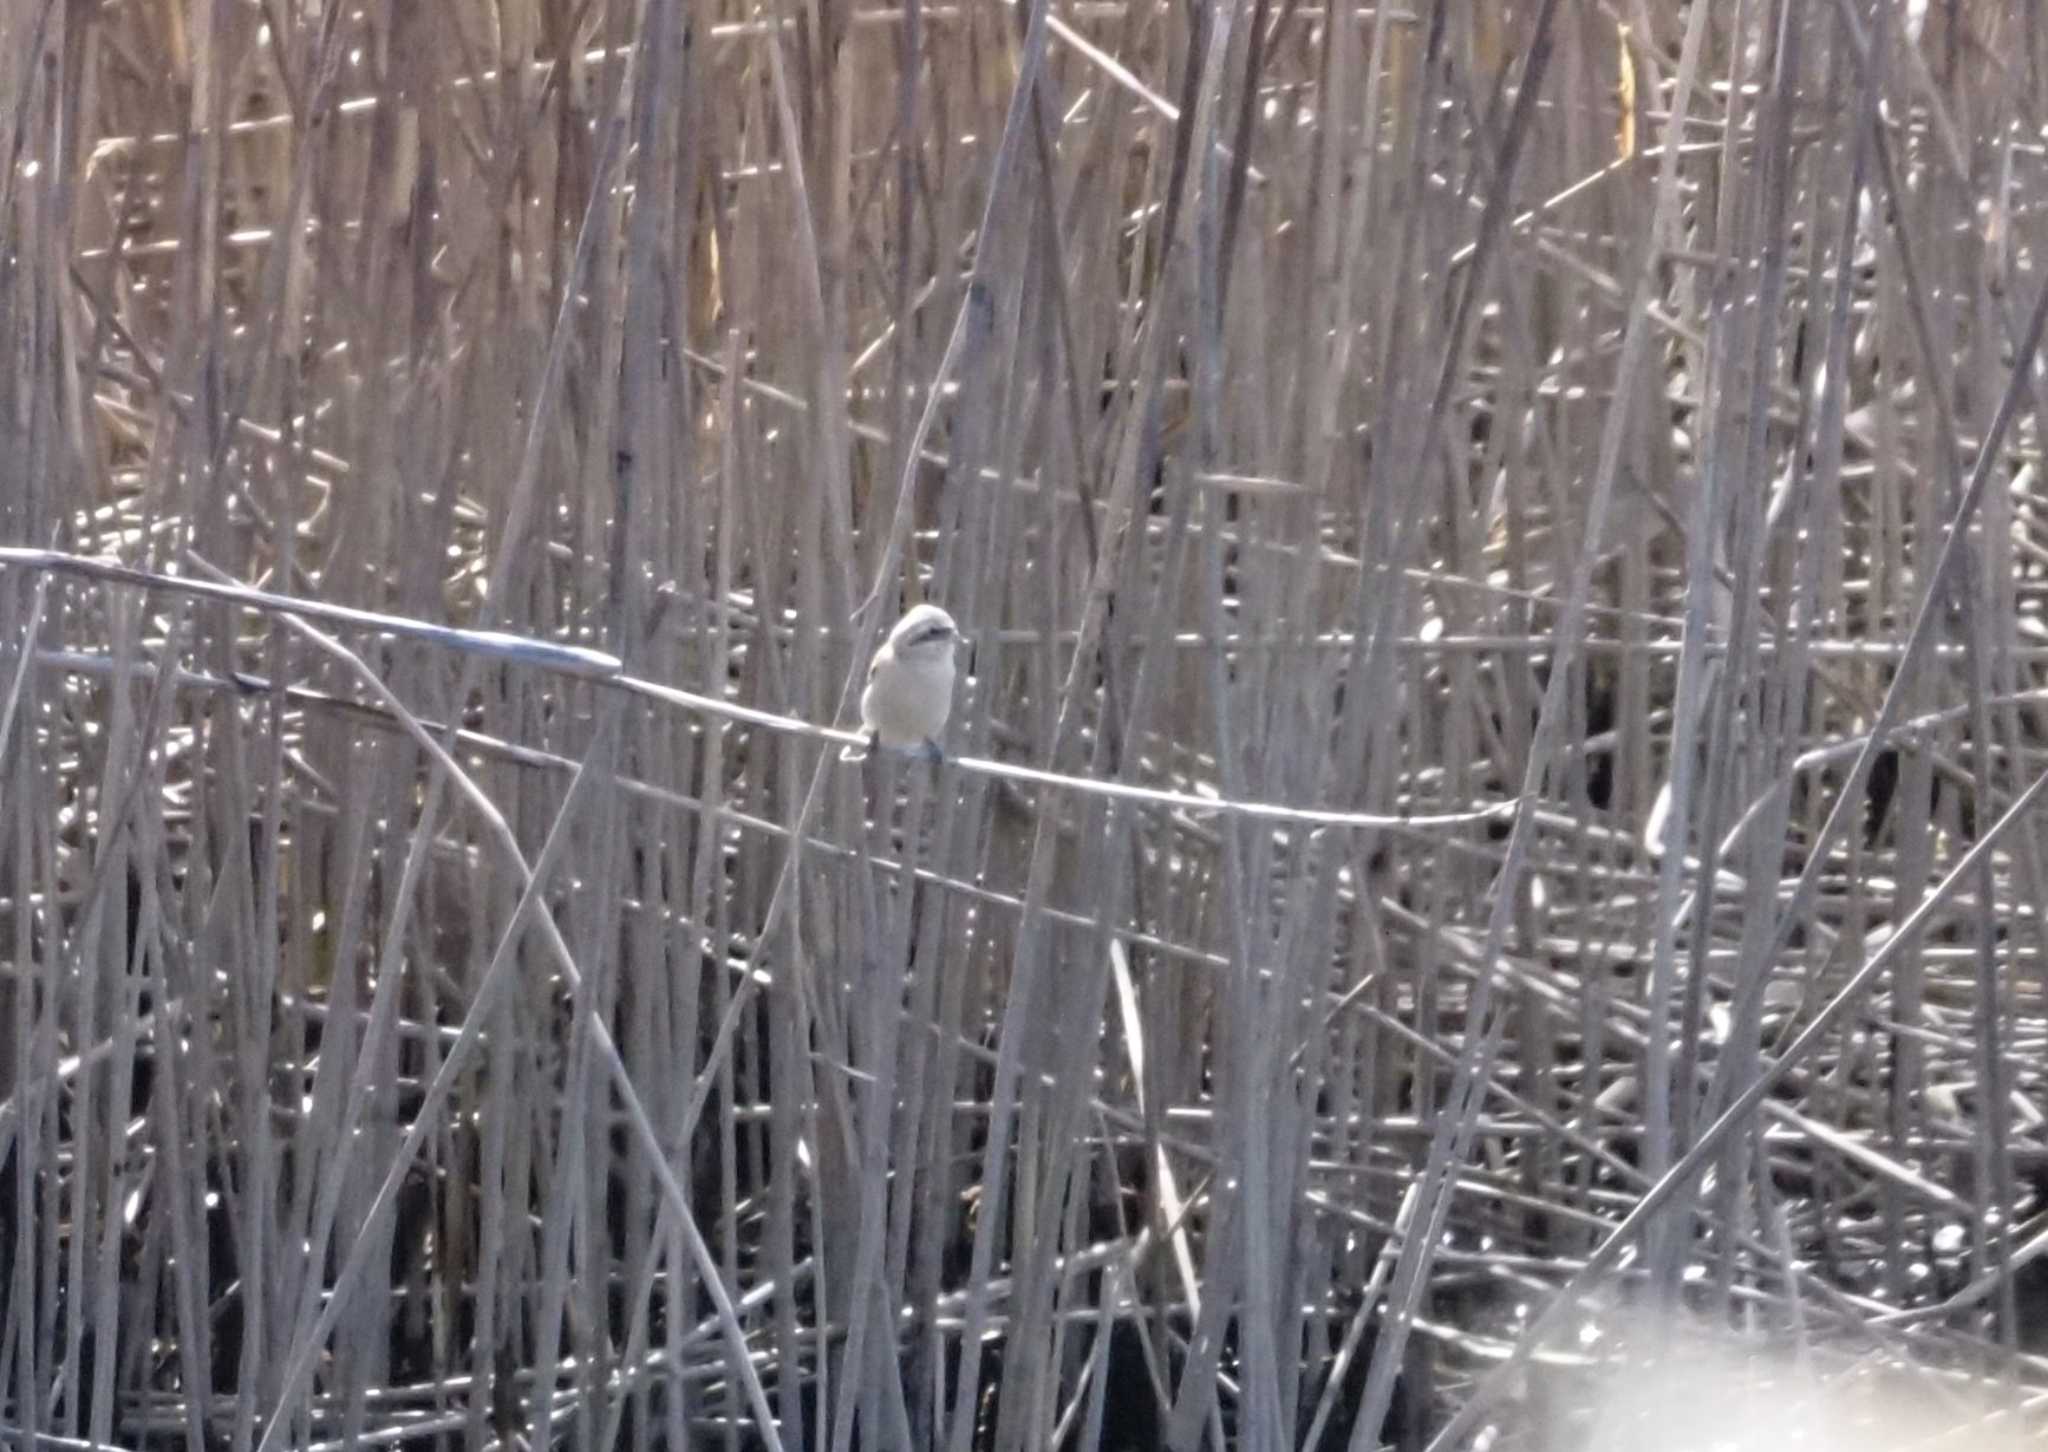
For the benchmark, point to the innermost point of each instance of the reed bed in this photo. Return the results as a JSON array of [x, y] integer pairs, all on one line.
[[1492, 797]]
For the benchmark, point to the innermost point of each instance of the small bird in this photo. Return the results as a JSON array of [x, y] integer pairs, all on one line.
[[910, 685]]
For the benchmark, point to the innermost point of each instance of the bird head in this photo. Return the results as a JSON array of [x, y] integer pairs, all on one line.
[[925, 631]]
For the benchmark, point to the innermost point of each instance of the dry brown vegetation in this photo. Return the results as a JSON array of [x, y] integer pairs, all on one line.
[[1504, 545]]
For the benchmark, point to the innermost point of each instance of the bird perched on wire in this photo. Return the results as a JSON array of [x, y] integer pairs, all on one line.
[[910, 685]]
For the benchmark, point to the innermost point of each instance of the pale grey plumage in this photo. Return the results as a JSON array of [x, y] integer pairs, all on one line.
[[910, 684]]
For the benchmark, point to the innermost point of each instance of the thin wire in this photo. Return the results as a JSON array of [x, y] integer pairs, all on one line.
[[606, 670]]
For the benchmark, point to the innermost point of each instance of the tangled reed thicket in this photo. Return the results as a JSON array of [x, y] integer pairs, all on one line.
[[1493, 792]]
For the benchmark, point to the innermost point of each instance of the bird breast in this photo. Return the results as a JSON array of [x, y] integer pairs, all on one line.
[[907, 700]]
